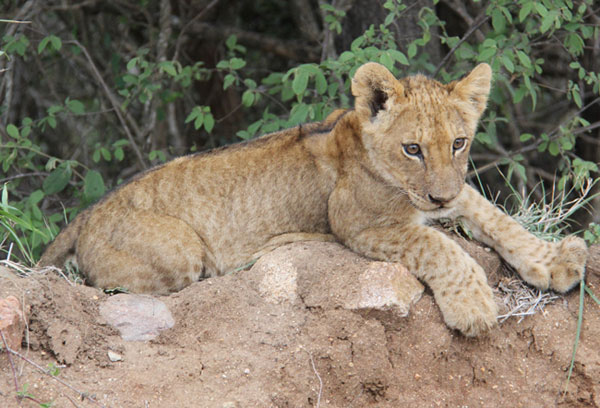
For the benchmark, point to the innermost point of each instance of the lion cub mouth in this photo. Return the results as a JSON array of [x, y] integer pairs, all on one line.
[[429, 205]]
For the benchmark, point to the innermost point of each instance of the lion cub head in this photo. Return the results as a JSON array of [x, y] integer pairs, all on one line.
[[418, 132]]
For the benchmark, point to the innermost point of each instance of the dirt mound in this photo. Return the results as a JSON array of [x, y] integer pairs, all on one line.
[[233, 345]]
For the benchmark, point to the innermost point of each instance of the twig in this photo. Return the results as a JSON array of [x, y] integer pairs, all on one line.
[[82, 395], [19, 395], [290, 49], [312, 362], [12, 365], [16, 176], [189, 23], [113, 102], [2, 20], [462, 40], [553, 135]]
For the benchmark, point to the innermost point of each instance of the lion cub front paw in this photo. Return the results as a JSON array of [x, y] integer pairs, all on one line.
[[568, 266], [470, 309]]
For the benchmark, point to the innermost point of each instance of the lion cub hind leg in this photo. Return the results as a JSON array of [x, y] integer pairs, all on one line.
[[559, 266], [142, 252], [458, 283]]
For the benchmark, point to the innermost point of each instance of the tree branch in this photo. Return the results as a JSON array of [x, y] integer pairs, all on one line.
[[113, 100], [288, 49], [462, 40]]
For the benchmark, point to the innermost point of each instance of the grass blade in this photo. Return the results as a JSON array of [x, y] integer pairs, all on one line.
[[589, 292], [582, 288]]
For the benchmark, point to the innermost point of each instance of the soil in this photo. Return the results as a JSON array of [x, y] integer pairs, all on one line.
[[231, 348]]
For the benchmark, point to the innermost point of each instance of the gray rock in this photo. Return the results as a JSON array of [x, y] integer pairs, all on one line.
[[137, 317]]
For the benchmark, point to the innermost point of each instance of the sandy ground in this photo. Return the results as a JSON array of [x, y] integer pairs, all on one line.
[[230, 348]]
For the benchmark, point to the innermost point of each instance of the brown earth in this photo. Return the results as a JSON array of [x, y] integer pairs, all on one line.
[[230, 347]]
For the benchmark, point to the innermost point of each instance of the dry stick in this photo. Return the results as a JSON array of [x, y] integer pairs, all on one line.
[[551, 137], [71, 401], [312, 362], [82, 395], [113, 102], [12, 366], [189, 23], [462, 40], [14, 372]]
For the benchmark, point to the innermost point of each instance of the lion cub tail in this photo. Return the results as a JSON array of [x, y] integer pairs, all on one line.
[[63, 245]]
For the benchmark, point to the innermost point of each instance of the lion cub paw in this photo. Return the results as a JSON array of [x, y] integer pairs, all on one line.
[[568, 266], [470, 309]]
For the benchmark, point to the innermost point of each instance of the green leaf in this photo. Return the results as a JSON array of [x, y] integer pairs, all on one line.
[[576, 97], [56, 42], [196, 111], [542, 11], [168, 67], [119, 154], [524, 59], [12, 131], [237, 63], [386, 60], [300, 81], [553, 148], [486, 54], [299, 114], [57, 180], [75, 106], [93, 186], [199, 121], [42, 45], [105, 153], [223, 64], [525, 10], [231, 42], [547, 22], [412, 50], [35, 197], [53, 40], [209, 122], [320, 83], [507, 62], [248, 98], [228, 81], [132, 63], [525, 137], [498, 20], [398, 56]]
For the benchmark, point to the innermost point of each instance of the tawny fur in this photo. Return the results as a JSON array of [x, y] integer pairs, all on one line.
[[354, 178]]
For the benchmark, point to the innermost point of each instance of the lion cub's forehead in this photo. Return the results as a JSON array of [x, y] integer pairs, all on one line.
[[425, 112], [419, 89]]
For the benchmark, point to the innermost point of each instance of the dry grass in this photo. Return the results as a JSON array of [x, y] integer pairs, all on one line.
[[521, 300]]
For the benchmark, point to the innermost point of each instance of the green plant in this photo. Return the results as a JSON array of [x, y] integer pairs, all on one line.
[[81, 141]]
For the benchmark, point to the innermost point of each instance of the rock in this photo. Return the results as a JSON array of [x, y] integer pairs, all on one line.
[[114, 357], [137, 317], [328, 275], [12, 322], [279, 279]]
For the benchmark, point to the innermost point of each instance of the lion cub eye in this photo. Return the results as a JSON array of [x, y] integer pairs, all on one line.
[[459, 144], [412, 149]]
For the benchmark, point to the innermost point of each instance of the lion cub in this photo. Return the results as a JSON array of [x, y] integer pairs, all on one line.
[[371, 178]]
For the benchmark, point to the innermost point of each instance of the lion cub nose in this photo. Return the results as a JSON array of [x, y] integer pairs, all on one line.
[[439, 200]]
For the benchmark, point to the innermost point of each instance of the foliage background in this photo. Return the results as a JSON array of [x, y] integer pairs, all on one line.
[[92, 92]]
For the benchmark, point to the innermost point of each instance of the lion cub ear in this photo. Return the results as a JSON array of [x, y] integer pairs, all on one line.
[[473, 89], [372, 86]]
